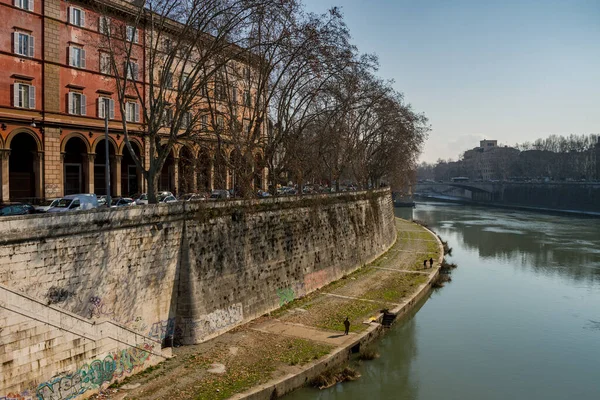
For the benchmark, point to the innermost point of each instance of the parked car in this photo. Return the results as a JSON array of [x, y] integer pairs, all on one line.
[[193, 197], [121, 202], [167, 198], [102, 200], [75, 202], [142, 199], [8, 209], [262, 193], [46, 205], [219, 194]]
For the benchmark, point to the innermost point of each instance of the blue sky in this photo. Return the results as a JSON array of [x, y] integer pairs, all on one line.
[[507, 70]]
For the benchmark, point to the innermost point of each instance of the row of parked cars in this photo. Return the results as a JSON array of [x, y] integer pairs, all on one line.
[[82, 201]]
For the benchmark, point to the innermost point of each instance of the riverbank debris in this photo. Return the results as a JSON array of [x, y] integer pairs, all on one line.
[[332, 377]]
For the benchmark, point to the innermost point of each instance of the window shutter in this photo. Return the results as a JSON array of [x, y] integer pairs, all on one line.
[[16, 89], [135, 71], [31, 96], [111, 112], [71, 16], [83, 105], [137, 112], [16, 42], [31, 46], [82, 65], [71, 56], [82, 18], [136, 37], [70, 101], [30, 5], [17, 3], [100, 105]]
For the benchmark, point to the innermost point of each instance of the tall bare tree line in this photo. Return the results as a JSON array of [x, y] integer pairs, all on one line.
[[264, 84]]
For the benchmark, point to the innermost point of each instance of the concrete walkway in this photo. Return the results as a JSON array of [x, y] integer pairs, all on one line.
[[282, 351]]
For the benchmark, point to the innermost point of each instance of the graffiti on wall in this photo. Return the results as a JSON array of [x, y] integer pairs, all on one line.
[[189, 328], [286, 295], [17, 396], [315, 280], [94, 375]]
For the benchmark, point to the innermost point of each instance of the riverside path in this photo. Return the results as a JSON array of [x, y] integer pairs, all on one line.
[[255, 359]]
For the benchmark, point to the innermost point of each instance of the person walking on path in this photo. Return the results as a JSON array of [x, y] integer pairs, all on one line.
[[425, 264], [347, 326], [431, 263]]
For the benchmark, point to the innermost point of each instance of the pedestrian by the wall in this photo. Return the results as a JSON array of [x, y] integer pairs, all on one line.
[[425, 264], [431, 263], [347, 326]]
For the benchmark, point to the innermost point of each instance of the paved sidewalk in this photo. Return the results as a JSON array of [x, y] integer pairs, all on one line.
[[299, 333]]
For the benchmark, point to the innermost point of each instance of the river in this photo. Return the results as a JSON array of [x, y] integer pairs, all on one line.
[[520, 319]]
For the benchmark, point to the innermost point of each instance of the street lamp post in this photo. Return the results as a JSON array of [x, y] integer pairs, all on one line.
[[107, 160]]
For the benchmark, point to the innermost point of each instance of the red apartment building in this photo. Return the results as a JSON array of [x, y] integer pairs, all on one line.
[[52, 86]]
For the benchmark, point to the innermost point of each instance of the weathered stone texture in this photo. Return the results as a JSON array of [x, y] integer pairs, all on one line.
[[180, 272]]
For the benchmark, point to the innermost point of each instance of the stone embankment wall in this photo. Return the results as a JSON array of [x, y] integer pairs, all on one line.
[[90, 297]]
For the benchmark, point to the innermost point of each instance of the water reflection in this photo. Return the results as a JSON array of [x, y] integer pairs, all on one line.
[[519, 320], [551, 244]]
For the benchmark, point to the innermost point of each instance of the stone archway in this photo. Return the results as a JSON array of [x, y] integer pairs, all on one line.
[[24, 166], [166, 181], [204, 170], [131, 176], [76, 165], [187, 170], [99, 149]]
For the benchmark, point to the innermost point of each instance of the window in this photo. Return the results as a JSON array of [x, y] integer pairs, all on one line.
[[77, 105], [234, 95], [132, 34], [204, 122], [185, 78], [167, 45], [247, 98], [24, 4], [76, 56], [186, 120], [247, 73], [102, 108], [167, 117], [132, 70], [105, 66], [23, 44], [132, 112], [168, 79], [24, 95], [104, 25], [219, 91], [220, 122], [76, 16], [203, 91]]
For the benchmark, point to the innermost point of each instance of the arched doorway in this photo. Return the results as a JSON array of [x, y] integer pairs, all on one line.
[[23, 167], [204, 170], [166, 181], [187, 168], [100, 168], [130, 175], [75, 168], [220, 170]]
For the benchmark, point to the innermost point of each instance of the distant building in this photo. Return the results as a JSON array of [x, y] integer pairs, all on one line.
[[486, 145], [488, 161]]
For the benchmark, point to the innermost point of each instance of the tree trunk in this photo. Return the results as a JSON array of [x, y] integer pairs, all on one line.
[[152, 175]]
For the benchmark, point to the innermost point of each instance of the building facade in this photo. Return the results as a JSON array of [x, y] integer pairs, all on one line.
[[53, 86]]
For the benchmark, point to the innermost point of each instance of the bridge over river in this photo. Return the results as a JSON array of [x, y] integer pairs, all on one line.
[[562, 196]]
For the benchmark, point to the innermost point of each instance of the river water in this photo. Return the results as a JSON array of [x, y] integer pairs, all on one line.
[[520, 319]]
